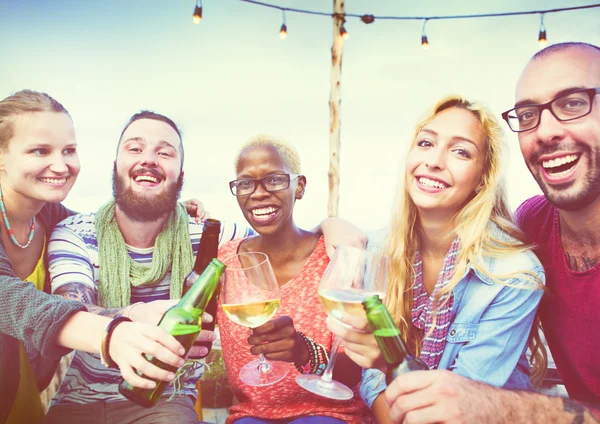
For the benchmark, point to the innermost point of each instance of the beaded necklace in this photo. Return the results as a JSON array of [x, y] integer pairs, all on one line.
[[10, 231]]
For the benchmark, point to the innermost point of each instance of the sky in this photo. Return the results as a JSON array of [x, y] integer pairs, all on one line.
[[232, 77]]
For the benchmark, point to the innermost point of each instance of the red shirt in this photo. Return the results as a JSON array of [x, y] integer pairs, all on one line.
[[570, 313], [285, 399]]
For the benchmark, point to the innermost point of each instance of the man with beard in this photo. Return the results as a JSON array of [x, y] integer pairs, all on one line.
[[128, 259], [557, 118]]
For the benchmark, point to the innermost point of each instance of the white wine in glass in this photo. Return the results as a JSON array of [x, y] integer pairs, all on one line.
[[352, 275], [250, 298]]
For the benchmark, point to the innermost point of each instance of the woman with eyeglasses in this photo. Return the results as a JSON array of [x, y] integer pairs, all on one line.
[[267, 186], [38, 167], [463, 284]]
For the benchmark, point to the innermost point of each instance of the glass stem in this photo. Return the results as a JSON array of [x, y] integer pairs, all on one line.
[[263, 366], [328, 374]]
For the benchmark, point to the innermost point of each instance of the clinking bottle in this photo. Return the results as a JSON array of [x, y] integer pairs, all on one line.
[[207, 251], [183, 322], [390, 341]]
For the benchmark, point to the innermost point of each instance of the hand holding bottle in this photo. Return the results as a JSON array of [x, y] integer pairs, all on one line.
[[182, 322], [358, 340], [130, 339], [278, 340]]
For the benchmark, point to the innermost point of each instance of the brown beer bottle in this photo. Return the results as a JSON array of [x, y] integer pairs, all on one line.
[[207, 250]]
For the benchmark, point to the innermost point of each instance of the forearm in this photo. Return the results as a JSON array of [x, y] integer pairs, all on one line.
[[381, 410], [536, 408], [504, 406], [83, 331], [88, 296], [346, 371]]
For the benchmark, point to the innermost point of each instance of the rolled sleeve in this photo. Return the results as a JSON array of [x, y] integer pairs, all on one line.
[[372, 384]]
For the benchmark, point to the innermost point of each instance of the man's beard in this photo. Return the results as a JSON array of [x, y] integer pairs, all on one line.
[[566, 199], [142, 208]]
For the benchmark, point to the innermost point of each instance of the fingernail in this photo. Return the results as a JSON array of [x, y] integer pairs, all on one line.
[[203, 351], [182, 351], [171, 377], [180, 363]]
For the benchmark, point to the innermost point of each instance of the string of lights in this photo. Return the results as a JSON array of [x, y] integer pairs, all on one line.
[[369, 19]]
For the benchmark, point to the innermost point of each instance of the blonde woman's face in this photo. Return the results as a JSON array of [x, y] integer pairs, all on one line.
[[445, 164], [40, 161]]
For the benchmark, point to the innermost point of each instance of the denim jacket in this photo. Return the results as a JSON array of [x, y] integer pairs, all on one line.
[[487, 338]]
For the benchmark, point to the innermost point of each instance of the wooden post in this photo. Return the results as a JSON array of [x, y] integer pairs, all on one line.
[[334, 108]]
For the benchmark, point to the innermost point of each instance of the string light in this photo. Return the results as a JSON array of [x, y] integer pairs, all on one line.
[[542, 39], [283, 29], [343, 32], [197, 17], [367, 18], [424, 42]]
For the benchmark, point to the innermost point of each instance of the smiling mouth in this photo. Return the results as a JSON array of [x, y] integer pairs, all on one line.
[[264, 213], [55, 181], [561, 165], [147, 178], [432, 183]]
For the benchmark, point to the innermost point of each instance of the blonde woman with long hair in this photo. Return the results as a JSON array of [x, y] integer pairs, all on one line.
[[463, 283]]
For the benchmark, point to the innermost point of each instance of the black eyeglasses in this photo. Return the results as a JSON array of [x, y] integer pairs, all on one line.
[[271, 183], [567, 107]]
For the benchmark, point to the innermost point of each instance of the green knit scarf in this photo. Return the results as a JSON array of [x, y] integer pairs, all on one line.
[[118, 272]]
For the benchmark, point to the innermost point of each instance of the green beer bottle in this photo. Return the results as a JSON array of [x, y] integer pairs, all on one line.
[[183, 321], [389, 339]]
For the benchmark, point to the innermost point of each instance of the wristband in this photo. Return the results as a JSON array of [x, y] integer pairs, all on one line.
[[105, 358]]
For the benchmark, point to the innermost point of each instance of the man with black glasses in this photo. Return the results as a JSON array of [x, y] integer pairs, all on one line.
[[557, 118]]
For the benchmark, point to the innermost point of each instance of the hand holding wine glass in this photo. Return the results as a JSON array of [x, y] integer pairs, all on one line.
[[352, 275], [278, 340], [250, 297]]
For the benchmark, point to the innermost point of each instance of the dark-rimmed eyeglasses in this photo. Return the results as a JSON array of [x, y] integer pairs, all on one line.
[[566, 107], [271, 183]]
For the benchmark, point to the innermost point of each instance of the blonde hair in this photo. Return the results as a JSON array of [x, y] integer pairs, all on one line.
[[24, 101], [471, 225], [286, 150]]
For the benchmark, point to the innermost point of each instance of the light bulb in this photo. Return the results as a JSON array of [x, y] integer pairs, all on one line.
[[197, 15], [542, 39], [344, 33]]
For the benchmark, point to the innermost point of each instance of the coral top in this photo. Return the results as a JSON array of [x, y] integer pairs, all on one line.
[[285, 399]]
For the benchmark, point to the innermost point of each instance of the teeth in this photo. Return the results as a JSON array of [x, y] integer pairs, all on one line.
[[553, 163], [146, 178], [53, 180], [264, 211], [431, 183]]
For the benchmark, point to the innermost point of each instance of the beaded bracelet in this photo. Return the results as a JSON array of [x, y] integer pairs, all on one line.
[[105, 358], [318, 357]]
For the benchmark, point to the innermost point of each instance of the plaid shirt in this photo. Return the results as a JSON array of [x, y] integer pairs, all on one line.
[[424, 307]]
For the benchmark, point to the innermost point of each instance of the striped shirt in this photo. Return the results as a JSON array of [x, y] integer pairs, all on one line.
[[73, 258]]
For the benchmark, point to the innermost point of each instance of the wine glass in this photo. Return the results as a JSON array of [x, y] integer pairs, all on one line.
[[352, 275], [250, 297]]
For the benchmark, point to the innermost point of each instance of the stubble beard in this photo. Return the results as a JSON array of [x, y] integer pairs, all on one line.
[[569, 198]]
